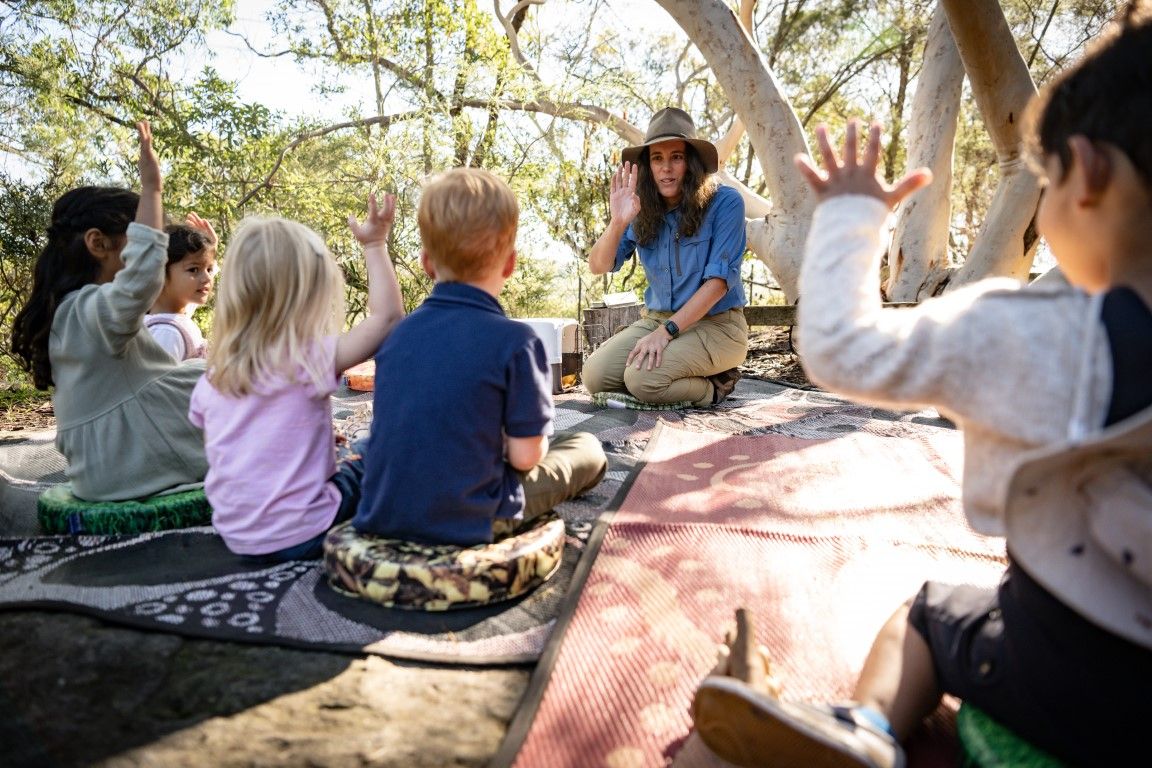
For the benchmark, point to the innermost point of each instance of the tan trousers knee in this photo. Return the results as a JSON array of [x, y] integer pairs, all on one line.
[[575, 463], [712, 345]]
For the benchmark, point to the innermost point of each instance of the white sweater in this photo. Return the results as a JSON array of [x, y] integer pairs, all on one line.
[[1023, 372]]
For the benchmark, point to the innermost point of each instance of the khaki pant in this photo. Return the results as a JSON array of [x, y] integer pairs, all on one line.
[[712, 345], [575, 463]]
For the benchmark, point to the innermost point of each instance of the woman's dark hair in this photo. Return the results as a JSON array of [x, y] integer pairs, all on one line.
[[183, 241], [65, 265], [697, 189], [1105, 97]]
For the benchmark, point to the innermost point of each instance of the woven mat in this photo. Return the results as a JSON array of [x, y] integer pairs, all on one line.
[[136, 580], [821, 519], [187, 582]]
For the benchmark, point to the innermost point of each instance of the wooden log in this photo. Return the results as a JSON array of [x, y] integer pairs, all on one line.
[[785, 314]]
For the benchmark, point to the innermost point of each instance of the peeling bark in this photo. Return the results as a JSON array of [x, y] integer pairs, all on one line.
[[1002, 87], [918, 256]]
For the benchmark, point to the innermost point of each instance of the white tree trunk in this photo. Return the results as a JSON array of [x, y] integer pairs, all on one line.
[[918, 255], [772, 126], [1002, 88]]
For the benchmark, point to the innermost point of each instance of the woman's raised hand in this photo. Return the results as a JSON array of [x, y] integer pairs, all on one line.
[[853, 177], [623, 202]]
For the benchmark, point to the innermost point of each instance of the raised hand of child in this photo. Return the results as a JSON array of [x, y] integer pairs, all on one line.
[[856, 177], [150, 210], [623, 202], [378, 224], [198, 222]]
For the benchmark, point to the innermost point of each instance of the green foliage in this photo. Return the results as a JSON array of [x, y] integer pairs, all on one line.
[[444, 88], [24, 212], [16, 390]]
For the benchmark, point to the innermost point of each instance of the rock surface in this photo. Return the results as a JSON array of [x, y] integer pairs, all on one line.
[[77, 692]]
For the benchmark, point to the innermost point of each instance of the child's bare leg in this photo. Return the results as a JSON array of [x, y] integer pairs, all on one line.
[[898, 679]]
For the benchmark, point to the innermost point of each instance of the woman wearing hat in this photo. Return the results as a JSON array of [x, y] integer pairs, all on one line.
[[689, 232]]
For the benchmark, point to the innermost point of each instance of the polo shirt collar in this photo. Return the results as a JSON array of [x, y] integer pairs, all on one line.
[[466, 295]]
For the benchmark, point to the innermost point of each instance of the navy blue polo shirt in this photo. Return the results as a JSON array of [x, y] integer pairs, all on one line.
[[452, 379]]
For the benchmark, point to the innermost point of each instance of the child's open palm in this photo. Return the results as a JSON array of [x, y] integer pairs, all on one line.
[[198, 222], [150, 210], [378, 224], [149, 164], [853, 177]]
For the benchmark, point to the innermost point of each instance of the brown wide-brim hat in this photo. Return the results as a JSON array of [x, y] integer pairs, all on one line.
[[670, 124]]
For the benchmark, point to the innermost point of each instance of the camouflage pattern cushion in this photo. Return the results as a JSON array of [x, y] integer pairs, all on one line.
[[988, 744], [440, 577], [61, 512]]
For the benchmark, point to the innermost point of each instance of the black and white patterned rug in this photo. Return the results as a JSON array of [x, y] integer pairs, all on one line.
[[187, 582]]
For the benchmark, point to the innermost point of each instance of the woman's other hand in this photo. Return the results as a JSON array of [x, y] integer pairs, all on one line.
[[649, 350]]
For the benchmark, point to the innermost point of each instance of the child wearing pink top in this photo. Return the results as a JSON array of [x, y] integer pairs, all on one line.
[[275, 359]]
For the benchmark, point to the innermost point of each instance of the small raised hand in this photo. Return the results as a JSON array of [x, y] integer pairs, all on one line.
[[856, 177], [377, 224]]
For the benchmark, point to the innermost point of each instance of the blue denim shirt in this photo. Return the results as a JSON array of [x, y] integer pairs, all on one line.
[[677, 266]]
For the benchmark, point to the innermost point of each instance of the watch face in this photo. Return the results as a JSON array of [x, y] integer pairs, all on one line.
[[672, 328]]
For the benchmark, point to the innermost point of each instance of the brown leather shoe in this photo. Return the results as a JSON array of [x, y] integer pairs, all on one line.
[[723, 383], [751, 729]]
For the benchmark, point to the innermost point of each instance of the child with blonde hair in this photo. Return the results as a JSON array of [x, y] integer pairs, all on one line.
[[276, 355], [187, 285], [121, 401], [463, 408]]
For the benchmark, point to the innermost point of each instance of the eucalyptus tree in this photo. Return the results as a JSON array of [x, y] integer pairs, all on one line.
[[545, 92]]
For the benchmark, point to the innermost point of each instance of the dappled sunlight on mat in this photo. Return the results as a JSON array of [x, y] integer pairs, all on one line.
[[847, 529], [895, 488]]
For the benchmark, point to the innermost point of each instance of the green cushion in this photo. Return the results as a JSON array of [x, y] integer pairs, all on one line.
[[625, 400], [439, 577], [61, 512], [988, 744]]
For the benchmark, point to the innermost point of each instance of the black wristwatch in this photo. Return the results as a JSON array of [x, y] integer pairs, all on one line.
[[672, 328]]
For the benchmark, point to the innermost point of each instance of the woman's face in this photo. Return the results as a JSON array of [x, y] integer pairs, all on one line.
[[668, 161]]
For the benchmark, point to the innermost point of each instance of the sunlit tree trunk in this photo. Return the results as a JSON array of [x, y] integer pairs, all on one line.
[[1002, 87], [773, 129], [918, 257]]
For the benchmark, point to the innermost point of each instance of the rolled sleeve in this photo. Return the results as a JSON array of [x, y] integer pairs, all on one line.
[[625, 249], [729, 237]]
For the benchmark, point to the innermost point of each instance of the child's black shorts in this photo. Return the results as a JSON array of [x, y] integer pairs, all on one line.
[[1029, 661]]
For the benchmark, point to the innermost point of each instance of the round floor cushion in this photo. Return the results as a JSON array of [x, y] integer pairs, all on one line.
[[437, 577], [988, 744], [61, 512], [625, 400]]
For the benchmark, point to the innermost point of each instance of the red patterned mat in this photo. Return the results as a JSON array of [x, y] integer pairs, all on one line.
[[821, 539]]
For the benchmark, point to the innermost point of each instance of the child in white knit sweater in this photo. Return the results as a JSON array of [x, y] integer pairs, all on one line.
[[1050, 388]]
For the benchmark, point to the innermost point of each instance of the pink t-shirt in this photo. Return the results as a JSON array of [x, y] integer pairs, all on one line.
[[270, 455]]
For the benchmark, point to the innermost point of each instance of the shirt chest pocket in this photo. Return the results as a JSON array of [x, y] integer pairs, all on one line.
[[690, 253]]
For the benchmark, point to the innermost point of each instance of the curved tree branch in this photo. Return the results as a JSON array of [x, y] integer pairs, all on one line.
[[511, 30], [384, 120]]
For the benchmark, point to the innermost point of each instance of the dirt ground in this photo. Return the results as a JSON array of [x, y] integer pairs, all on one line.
[[75, 691]]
